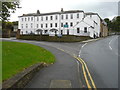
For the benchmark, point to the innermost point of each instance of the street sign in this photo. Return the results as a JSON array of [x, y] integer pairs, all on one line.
[[65, 26]]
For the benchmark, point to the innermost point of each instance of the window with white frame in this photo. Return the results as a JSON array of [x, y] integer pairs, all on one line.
[[31, 25], [46, 18], [31, 18], [71, 16], [71, 24], [37, 25], [51, 17], [62, 17], [61, 24], [25, 19], [21, 25], [41, 18], [66, 16], [55, 24], [46, 25], [28, 19], [37, 18], [77, 15], [78, 30], [85, 29], [26, 25], [22, 19], [50, 24], [56, 17], [41, 25]]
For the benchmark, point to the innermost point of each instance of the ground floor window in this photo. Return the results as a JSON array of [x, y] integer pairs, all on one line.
[[61, 32], [46, 31], [26, 32], [85, 29], [67, 31], [78, 30]]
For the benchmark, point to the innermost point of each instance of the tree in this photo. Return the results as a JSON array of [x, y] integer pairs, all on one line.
[[7, 8], [113, 25], [108, 23]]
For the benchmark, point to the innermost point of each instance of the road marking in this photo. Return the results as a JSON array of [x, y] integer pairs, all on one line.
[[81, 48], [84, 73], [111, 42], [84, 66]]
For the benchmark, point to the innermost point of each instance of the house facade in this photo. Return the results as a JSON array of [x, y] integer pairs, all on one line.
[[73, 22]]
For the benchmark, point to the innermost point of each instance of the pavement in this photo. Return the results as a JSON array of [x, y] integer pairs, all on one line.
[[64, 70], [101, 58], [69, 71]]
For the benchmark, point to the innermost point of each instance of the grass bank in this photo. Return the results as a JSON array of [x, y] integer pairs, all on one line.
[[18, 56]]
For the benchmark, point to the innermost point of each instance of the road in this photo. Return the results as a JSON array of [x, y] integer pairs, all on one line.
[[64, 70], [102, 60], [100, 56]]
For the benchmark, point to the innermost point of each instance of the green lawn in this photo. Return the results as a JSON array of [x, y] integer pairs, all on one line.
[[17, 56]]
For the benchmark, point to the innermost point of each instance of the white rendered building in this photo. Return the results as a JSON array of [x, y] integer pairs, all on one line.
[[73, 22]]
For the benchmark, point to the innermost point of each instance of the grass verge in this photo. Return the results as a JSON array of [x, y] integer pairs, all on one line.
[[18, 56]]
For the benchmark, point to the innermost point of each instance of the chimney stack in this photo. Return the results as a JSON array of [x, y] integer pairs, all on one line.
[[38, 12]]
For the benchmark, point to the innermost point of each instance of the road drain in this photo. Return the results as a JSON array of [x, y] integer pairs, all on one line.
[[60, 84]]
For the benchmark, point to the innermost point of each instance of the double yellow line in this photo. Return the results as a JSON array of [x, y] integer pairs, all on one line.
[[84, 66], [85, 72]]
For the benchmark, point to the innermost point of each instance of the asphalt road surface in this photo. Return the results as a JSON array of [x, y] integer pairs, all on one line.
[[64, 70], [100, 56], [102, 60]]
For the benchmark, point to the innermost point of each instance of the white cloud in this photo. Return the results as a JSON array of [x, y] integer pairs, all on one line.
[[31, 6]]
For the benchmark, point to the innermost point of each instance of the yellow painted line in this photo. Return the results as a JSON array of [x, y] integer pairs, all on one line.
[[61, 49], [85, 76], [84, 72], [94, 86]]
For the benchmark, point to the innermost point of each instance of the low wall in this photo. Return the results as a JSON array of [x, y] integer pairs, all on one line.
[[22, 78], [65, 38]]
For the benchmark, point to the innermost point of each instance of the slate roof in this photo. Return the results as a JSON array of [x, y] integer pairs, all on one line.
[[51, 13]]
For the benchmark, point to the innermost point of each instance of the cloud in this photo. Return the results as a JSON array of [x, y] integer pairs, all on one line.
[[104, 9]]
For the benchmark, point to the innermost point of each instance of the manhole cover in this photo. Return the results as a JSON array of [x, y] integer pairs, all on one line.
[[60, 84]]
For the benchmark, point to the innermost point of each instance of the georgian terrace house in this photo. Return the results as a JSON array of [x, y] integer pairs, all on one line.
[[72, 22]]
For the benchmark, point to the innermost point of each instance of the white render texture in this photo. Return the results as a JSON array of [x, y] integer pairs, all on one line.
[[78, 22]]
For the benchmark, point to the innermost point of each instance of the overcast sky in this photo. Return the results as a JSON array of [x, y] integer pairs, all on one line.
[[107, 9]]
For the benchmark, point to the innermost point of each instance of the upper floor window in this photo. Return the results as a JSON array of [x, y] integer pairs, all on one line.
[[50, 24], [25, 19], [56, 17], [71, 24], [61, 24], [31, 25], [71, 16], [37, 18], [55, 24], [46, 18], [41, 25], [21, 25], [37, 25], [41, 18], [51, 17], [85, 29], [78, 15], [66, 16], [31, 18], [62, 17], [22, 19], [26, 25], [46, 25], [28, 19]]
